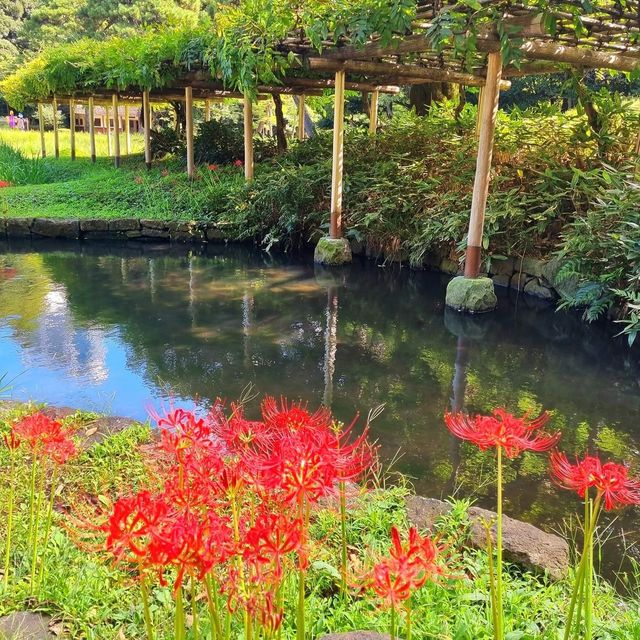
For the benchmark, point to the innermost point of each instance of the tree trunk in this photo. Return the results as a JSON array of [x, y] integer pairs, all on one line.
[[281, 135], [422, 96], [181, 116]]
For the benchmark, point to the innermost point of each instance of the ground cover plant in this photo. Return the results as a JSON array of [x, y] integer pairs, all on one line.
[[222, 526]]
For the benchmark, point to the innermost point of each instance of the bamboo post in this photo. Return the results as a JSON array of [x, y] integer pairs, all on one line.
[[92, 131], [248, 138], [480, 99], [207, 110], [335, 228], [146, 108], [127, 129], [488, 113], [43, 147], [116, 130], [72, 128], [301, 101], [373, 113], [188, 107], [56, 137]]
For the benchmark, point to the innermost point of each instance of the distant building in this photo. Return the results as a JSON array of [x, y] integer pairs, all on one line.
[[100, 118]]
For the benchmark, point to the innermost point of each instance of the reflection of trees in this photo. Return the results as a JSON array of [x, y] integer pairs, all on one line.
[[209, 325]]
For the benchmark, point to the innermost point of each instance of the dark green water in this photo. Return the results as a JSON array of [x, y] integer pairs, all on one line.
[[120, 329]]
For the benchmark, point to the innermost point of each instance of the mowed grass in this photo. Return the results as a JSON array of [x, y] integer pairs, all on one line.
[[63, 188]]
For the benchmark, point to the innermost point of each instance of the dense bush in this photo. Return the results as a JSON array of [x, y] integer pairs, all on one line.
[[166, 141]]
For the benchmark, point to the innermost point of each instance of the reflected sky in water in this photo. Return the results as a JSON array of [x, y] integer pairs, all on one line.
[[120, 329]]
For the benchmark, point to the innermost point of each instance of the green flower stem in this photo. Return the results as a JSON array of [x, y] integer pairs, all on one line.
[[36, 527], [499, 617], [343, 523], [10, 505], [48, 523], [179, 630], [214, 614], [408, 620], [144, 590], [194, 608], [492, 578], [393, 623], [32, 497]]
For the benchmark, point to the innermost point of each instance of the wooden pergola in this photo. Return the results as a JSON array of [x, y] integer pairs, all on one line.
[[608, 38]]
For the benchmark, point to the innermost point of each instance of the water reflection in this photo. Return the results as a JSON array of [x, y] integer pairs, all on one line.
[[118, 328]]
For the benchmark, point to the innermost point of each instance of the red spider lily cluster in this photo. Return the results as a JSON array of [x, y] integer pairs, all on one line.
[[4, 184], [44, 436], [212, 167], [235, 499], [407, 568], [238, 163]]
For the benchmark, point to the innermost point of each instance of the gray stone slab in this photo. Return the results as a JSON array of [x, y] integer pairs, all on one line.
[[52, 228], [25, 625]]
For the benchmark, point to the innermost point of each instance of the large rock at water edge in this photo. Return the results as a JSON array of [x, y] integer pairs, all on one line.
[[332, 252], [471, 295], [523, 543]]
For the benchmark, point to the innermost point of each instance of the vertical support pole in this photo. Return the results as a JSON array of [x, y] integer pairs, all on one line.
[[301, 101], [146, 108], [248, 138], [56, 137], [335, 228], [116, 130], [188, 108], [72, 128], [207, 110], [127, 128], [43, 146], [373, 113], [107, 111], [488, 113], [92, 131], [480, 99]]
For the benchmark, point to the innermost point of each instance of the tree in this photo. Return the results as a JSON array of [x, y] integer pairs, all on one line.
[[12, 16]]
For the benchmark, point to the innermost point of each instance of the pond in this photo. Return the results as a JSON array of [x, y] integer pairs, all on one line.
[[120, 329]]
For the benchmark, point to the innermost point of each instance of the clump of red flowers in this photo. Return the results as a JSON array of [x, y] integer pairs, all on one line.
[[164, 173], [213, 167], [138, 180], [238, 163], [45, 436], [4, 184]]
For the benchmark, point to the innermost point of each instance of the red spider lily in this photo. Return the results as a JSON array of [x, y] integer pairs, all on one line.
[[132, 523], [238, 163], [502, 429], [213, 167], [164, 173], [4, 184], [138, 180], [240, 434], [352, 459], [11, 440], [288, 418], [271, 539], [45, 436], [610, 480], [406, 569]]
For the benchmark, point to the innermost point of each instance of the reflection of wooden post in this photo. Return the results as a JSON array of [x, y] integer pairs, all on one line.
[[146, 108], [330, 345], [301, 101], [335, 229], [56, 137], [488, 113], [188, 107], [72, 128], [43, 146], [92, 131], [248, 138], [207, 110], [116, 130], [373, 112], [127, 129], [460, 375]]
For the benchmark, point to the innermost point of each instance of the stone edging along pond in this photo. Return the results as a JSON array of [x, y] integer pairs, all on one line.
[[527, 275]]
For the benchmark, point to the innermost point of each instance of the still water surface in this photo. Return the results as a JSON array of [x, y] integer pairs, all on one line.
[[120, 329]]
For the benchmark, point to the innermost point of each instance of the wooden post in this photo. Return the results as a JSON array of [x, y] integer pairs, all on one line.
[[188, 107], [146, 108], [488, 113], [248, 138], [127, 129], [92, 131], [107, 110], [43, 147], [301, 101], [373, 113], [72, 128], [335, 228], [207, 110], [480, 99], [56, 137], [116, 130]]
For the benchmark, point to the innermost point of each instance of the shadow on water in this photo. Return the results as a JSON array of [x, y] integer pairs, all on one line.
[[118, 328]]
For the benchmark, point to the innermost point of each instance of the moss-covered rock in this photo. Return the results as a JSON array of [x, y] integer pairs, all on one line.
[[332, 251], [471, 295]]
